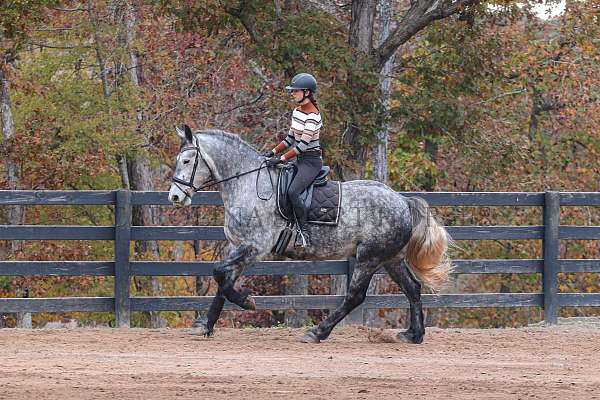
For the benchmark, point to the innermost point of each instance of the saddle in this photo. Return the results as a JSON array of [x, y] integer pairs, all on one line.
[[322, 198]]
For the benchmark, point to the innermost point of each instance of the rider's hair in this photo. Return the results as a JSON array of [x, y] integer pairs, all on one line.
[[313, 100]]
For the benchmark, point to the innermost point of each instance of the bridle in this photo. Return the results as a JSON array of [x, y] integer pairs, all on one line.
[[211, 181], [190, 184]]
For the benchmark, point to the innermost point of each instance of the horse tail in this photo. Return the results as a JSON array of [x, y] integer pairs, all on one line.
[[427, 248]]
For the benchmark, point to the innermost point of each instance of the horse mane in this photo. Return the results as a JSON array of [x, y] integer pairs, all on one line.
[[228, 137]]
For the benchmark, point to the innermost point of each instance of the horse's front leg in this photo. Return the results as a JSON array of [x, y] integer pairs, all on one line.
[[229, 271], [226, 274], [205, 324]]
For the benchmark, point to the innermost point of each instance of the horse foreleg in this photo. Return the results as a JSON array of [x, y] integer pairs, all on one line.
[[412, 289], [228, 272], [205, 325]]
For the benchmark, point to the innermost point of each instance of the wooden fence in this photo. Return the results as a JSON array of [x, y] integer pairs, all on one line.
[[123, 269]]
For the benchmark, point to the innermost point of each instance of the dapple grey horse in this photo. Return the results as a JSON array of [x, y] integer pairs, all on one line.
[[377, 226]]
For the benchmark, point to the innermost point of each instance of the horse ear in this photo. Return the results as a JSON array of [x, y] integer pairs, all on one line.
[[188, 134], [180, 132]]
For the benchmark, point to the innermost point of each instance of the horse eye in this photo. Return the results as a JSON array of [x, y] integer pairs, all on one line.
[[186, 161]]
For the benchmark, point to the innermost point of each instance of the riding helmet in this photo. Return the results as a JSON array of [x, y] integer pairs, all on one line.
[[303, 81]]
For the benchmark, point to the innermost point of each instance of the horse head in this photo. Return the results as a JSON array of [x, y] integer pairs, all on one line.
[[191, 169]]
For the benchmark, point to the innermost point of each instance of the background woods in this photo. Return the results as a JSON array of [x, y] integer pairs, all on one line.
[[422, 95]]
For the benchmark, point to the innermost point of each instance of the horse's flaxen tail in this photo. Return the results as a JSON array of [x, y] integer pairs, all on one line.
[[427, 248]]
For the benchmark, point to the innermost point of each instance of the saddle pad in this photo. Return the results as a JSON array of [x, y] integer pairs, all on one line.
[[326, 203]]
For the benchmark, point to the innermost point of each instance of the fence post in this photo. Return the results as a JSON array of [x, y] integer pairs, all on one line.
[[122, 242], [551, 245], [356, 316]]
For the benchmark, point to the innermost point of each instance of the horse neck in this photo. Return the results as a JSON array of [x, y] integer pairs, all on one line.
[[227, 160]]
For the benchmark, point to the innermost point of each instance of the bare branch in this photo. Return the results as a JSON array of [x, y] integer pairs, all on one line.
[[440, 13], [69, 9], [410, 24], [431, 8], [56, 29], [403, 63], [244, 18], [50, 46], [277, 9], [260, 95], [523, 90], [420, 15]]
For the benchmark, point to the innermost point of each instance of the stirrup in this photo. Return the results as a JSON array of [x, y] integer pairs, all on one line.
[[304, 240], [299, 232]]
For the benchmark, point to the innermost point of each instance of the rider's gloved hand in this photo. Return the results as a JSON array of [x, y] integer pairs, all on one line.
[[268, 154], [271, 162]]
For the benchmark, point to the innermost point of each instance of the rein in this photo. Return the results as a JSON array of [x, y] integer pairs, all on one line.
[[212, 181]]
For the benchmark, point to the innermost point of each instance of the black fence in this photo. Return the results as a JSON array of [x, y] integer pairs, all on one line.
[[123, 269]]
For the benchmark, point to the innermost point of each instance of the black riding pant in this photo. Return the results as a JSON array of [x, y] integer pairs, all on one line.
[[309, 164]]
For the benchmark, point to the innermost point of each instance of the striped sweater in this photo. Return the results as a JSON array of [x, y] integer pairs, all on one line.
[[303, 134]]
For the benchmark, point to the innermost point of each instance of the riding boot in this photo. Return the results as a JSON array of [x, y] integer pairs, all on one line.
[[301, 214]]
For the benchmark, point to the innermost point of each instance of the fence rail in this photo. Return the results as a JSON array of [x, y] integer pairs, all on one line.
[[123, 269]]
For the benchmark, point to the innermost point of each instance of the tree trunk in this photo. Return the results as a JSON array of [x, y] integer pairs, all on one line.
[[122, 162], [370, 61], [98, 48], [140, 178], [295, 284], [24, 318], [140, 172], [380, 151], [360, 39], [135, 173], [15, 214], [361, 42], [361, 26], [431, 148]]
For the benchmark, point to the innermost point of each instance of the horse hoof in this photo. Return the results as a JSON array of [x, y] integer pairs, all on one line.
[[249, 304], [309, 337], [201, 330], [409, 337]]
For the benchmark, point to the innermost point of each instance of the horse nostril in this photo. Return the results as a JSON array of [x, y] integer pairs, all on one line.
[[175, 197]]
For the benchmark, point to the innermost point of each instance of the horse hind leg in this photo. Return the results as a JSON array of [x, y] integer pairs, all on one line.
[[356, 294], [412, 289]]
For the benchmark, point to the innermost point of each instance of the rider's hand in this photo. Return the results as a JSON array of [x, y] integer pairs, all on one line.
[[271, 162], [268, 154]]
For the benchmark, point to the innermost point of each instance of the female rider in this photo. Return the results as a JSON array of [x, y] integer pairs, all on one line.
[[303, 138]]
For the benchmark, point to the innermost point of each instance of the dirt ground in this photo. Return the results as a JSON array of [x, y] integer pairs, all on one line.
[[561, 362]]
